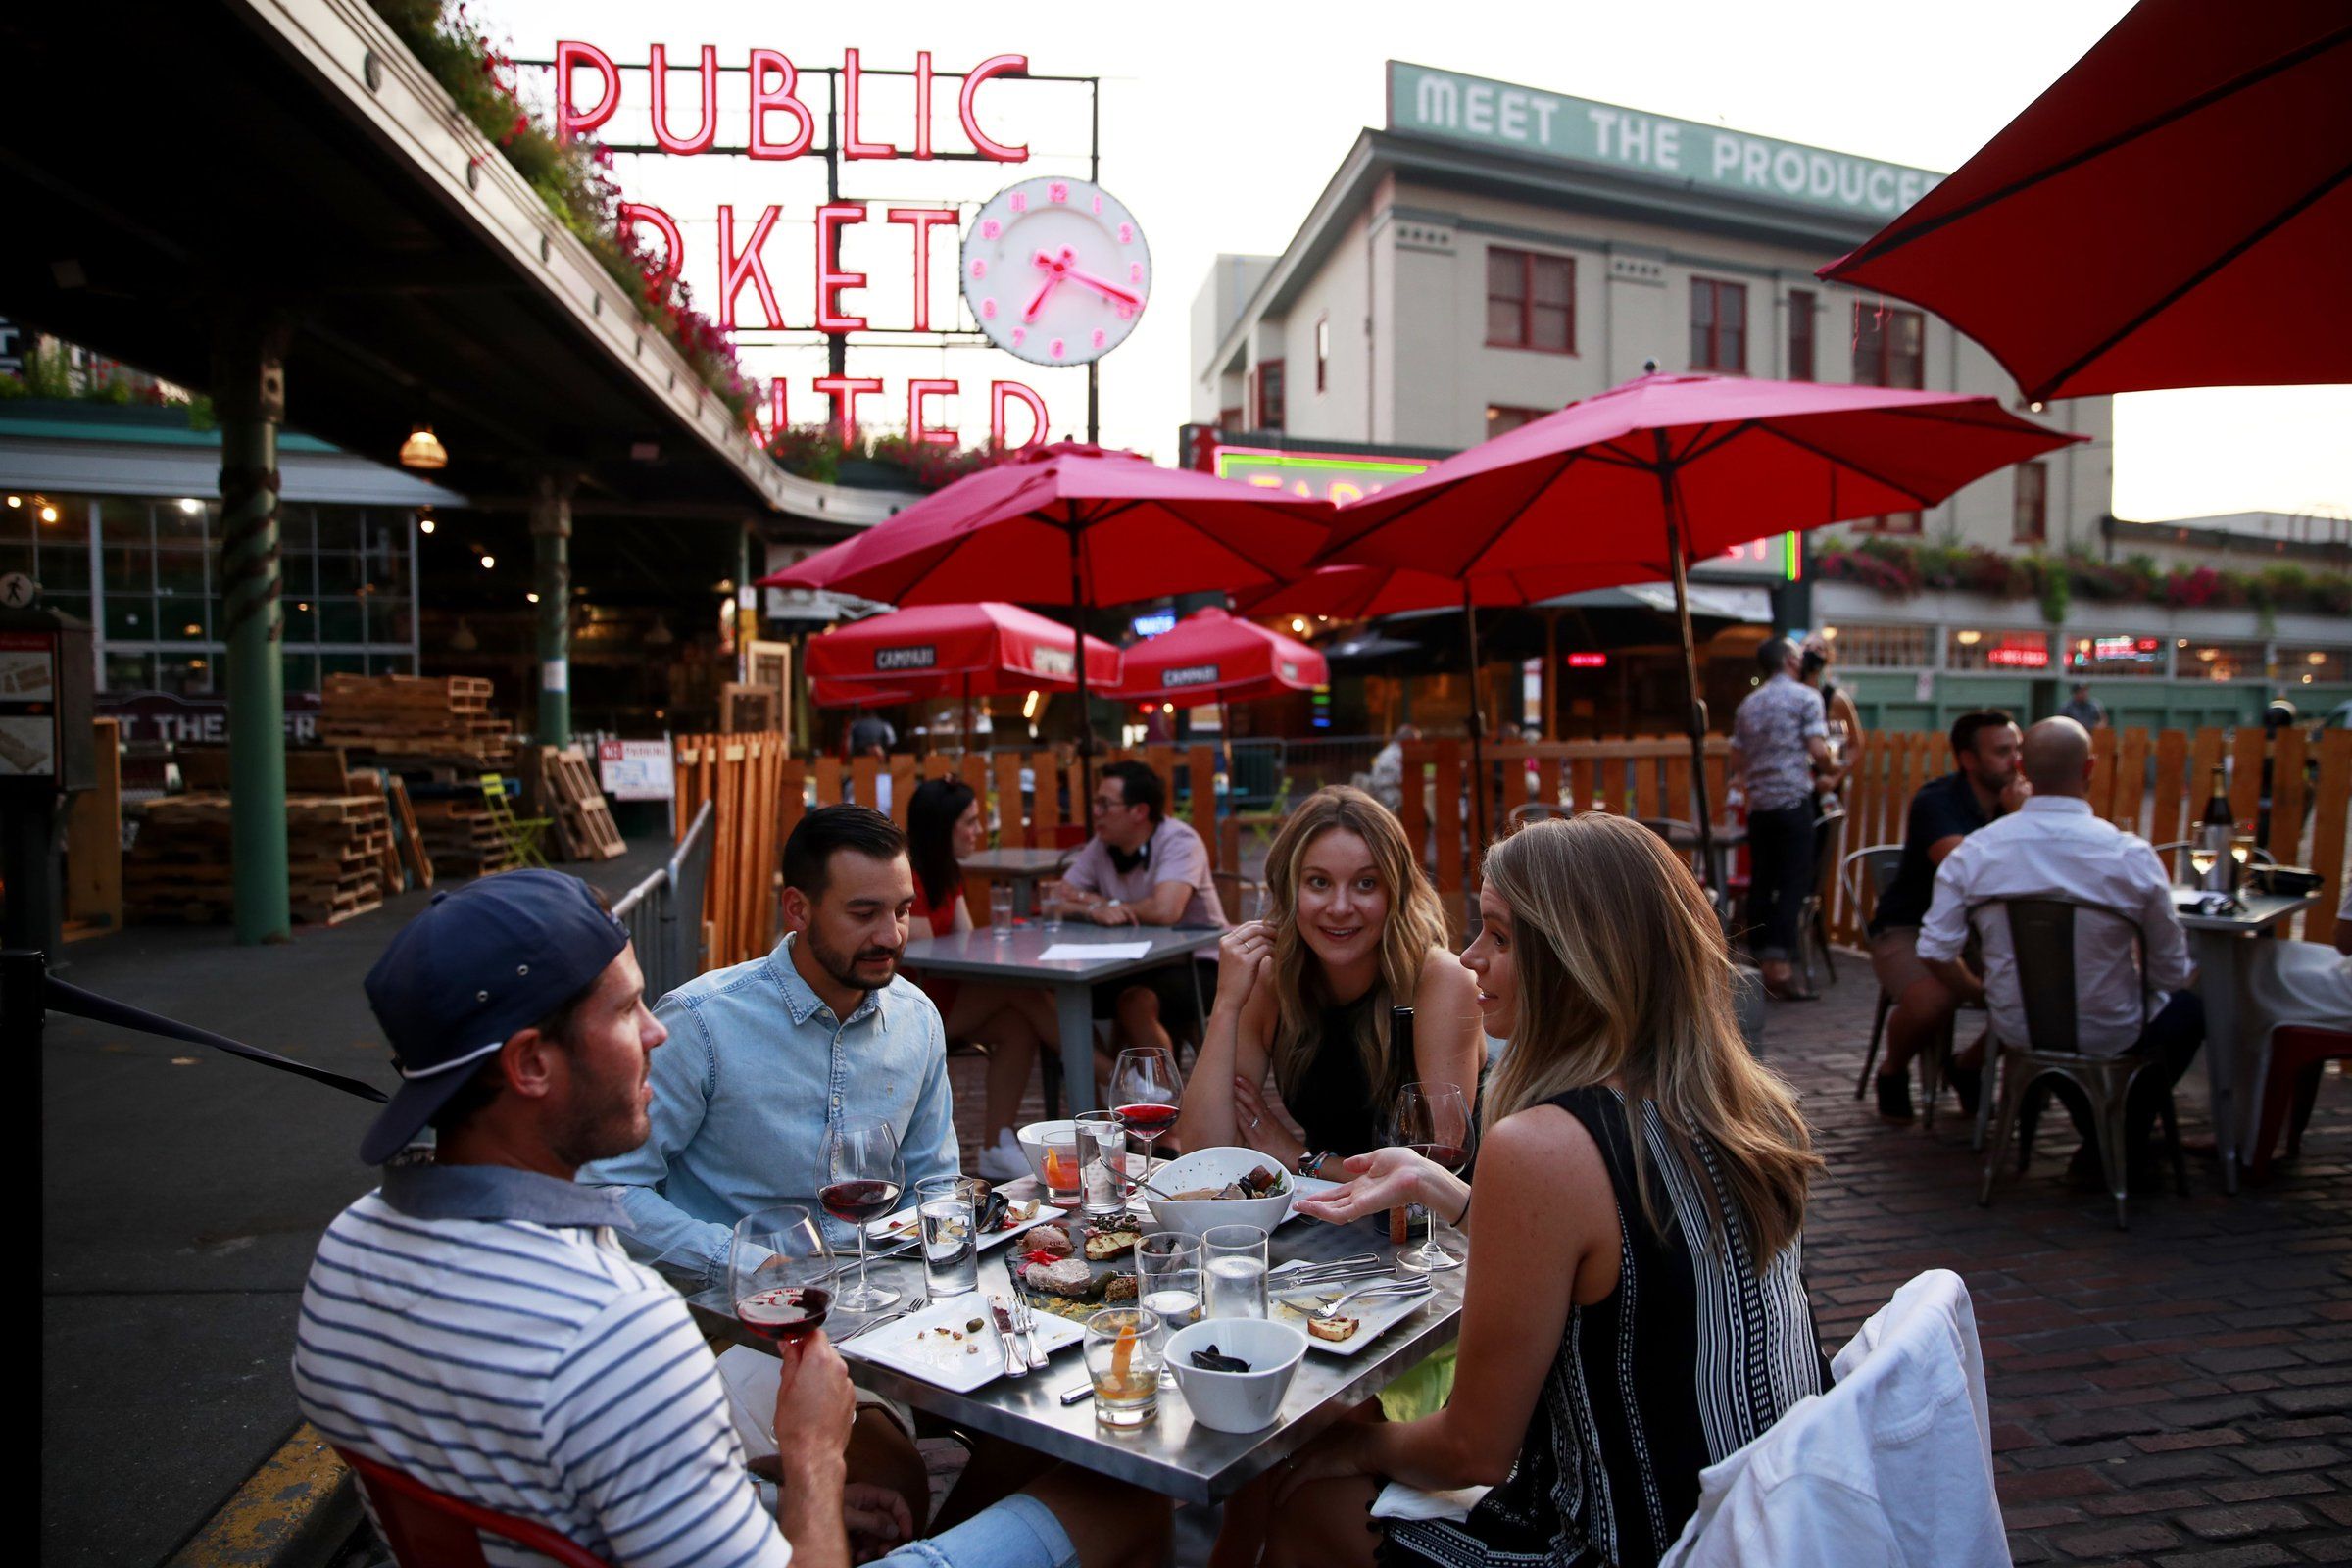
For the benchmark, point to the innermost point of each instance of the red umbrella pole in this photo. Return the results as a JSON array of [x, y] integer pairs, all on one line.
[[1699, 708], [1478, 745]]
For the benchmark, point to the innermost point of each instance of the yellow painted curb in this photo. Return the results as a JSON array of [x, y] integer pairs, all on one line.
[[297, 1508]]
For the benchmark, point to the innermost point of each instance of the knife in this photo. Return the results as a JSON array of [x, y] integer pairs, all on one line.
[[1016, 1365]]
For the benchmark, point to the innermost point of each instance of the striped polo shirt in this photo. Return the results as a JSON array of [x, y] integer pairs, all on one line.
[[480, 1328]]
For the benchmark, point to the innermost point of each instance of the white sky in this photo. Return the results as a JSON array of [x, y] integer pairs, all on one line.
[[1222, 123]]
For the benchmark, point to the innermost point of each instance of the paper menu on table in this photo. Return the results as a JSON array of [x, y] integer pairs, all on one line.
[[1081, 951]]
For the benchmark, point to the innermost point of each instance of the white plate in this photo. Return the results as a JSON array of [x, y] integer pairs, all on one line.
[[911, 1345], [900, 1227], [1376, 1315]]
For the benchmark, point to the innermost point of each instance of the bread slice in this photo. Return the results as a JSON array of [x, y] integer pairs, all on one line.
[[1102, 1244], [1334, 1329]]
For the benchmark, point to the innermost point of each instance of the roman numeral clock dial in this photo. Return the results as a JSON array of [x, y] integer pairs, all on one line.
[[1055, 271]]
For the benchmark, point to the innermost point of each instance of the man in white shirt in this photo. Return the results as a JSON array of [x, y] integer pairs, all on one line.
[[2053, 846]]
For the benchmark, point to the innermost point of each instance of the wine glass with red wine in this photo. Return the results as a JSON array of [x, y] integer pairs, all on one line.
[[780, 1273], [1433, 1120], [861, 1155], [1145, 1091]]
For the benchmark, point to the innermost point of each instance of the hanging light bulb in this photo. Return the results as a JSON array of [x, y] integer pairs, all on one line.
[[424, 450]]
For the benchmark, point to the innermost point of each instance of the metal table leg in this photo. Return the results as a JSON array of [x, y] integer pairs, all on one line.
[[1074, 1004], [2218, 954]]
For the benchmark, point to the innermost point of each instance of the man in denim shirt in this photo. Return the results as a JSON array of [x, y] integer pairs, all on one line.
[[767, 1057]]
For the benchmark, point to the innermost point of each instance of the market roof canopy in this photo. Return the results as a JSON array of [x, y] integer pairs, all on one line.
[[2174, 211], [1208, 656], [980, 650]]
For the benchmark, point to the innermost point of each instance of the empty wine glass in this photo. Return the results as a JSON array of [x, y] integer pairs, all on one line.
[[1433, 1120], [1144, 1089], [862, 1153], [780, 1273]]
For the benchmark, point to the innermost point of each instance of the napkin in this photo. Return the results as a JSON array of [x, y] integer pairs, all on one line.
[[1081, 951], [1397, 1500]]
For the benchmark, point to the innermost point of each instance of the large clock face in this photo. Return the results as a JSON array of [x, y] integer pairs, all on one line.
[[1055, 271]]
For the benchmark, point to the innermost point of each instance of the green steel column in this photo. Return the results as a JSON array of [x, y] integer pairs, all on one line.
[[249, 395], [551, 575]]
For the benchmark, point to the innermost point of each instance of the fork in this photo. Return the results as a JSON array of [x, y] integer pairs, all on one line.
[[1024, 1323], [1392, 1288], [914, 1305]]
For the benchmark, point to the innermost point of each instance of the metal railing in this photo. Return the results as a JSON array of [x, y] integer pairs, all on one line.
[[665, 911]]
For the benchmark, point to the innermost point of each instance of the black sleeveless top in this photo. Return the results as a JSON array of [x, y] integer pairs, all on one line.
[[1332, 1101], [1691, 1356]]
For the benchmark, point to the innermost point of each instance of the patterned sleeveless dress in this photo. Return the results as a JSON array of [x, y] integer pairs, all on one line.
[[1691, 1356]]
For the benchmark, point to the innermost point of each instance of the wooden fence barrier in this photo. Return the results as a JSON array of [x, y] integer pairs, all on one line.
[[754, 786]]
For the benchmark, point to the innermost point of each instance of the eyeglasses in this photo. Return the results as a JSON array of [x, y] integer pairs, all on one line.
[[1104, 803]]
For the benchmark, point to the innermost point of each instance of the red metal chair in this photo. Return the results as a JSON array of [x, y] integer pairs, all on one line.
[[2298, 1052], [428, 1529]]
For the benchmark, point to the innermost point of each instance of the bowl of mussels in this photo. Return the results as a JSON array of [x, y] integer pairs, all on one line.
[[1212, 1186], [1233, 1371]]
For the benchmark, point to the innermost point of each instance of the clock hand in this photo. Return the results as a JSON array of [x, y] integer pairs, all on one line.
[[1039, 303], [1056, 268], [1102, 286]]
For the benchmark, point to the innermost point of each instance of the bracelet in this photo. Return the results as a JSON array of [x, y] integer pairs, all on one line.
[[1465, 1213]]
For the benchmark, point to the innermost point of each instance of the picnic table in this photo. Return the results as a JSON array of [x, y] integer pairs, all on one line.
[[2219, 944], [1172, 1455]]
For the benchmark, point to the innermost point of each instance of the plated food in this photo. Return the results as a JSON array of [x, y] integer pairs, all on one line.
[[1262, 1181]]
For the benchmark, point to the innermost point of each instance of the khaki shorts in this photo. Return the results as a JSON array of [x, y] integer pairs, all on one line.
[[1895, 958]]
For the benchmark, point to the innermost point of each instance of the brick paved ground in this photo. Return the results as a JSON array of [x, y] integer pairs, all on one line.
[[2178, 1395]]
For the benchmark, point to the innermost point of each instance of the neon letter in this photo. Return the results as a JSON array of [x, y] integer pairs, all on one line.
[[734, 269], [572, 121], [922, 219], [851, 144], [707, 130], [673, 242], [785, 96], [922, 103], [777, 420], [921, 433], [830, 278], [997, 66], [1001, 393], [845, 391]]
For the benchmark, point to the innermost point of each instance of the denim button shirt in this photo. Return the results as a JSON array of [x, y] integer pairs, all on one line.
[[757, 1070]]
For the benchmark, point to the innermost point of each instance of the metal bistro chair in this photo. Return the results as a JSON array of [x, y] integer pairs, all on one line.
[[428, 1529], [1520, 816], [1879, 862], [1813, 922], [520, 834], [2041, 933]]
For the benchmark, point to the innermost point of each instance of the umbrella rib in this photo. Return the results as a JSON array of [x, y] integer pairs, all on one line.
[[1883, 244], [1470, 562], [1701, 446], [2193, 280], [1844, 463]]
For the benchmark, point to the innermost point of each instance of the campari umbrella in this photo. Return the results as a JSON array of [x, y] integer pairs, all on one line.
[[2174, 211], [1073, 525], [961, 651], [1209, 657], [1667, 470], [857, 694]]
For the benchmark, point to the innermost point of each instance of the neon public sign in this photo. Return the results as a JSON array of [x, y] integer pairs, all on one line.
[[779, 126]]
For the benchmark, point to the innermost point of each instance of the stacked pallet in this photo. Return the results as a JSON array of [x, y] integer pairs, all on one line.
[[583, 821], [458, 834], [416, 720], [180, 868]]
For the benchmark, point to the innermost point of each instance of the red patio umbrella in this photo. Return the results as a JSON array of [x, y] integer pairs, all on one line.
[[1670, 469], [2174, 211], [1208, 656], [856, 694], [961, 651], [1073, 525], [1366, 593]]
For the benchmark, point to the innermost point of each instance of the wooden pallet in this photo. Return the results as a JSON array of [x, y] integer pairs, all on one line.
[[412, 721], [584, 829], [181, 866]]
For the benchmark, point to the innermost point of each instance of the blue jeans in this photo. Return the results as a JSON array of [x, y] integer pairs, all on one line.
[[1020, 1532]]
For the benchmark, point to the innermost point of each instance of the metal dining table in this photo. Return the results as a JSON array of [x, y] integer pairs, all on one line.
[[1172, 1455], [2221, 946], [1023, 868], [1018, 960]]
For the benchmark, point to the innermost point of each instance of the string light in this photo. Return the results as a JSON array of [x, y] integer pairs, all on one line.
[[488, 561]]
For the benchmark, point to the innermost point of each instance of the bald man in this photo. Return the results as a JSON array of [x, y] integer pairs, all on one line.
[[2053, 846]]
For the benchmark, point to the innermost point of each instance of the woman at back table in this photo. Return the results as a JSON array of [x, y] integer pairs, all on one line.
[[1641, 1311], [1353, 928], [943, 826]]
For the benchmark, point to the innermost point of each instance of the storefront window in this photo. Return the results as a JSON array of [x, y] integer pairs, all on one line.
[[129, 618], [129, 672], [1992, 648], [180, 571], [123, 522], [341, 620], [1882, 647], [63, 565], [188, 677], [69, 526], [2222, 661], [182, 620], [2118, 656], [300, 671], [2307, 666]]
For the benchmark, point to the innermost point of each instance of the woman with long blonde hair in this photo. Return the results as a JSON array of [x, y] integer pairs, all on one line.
[[1638, 1165], [1353, 928]]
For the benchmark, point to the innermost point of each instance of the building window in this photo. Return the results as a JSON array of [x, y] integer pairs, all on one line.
[[1270, 399], [2031, 514], [1322, 353], [1503, 418], [2130, 655], [1996, 650], [1531, 301], [1717, 326], [2221, 662], [1800, 334], [1889, 522], [1882, 647], [1229, 420], [1890, 347], [2302, 666]]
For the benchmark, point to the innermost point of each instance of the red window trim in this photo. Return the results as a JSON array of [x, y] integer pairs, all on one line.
[[1886, 337], [2042, 504], [1717, 285], [1884, 522], [1526, 342], [1258, 394], [1803, 299], [1322, 342]]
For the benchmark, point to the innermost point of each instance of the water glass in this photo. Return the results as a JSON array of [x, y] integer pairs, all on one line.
[[1000, 911], [1049, 904], [1167, 1271], [1104, 1168], [1233, 1267], [1123, 1362], [947, 1207]]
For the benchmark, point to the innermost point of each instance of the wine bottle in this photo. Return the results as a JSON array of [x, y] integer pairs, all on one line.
[[1401, 1049], [2214, 835]]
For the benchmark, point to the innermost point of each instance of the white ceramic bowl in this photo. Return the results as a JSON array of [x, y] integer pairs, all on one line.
[[1032, 1140], [1237, 1401], [1214, 1168]]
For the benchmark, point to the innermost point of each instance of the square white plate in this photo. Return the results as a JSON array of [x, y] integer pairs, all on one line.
[[900, 1227], [911, 1344], [1376, 1314]]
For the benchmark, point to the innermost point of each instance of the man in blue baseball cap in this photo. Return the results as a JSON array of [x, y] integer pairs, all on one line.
[[475, 1323]]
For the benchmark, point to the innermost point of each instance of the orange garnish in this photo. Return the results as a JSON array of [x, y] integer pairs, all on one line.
[[1121, 1353], [1056, 1173]]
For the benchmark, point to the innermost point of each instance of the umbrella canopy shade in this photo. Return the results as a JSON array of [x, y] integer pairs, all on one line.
[[2174, 211], [1366, 593], [1073, 524], [1209, 657], [857, 694], [981, 650], [1740, 459]]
